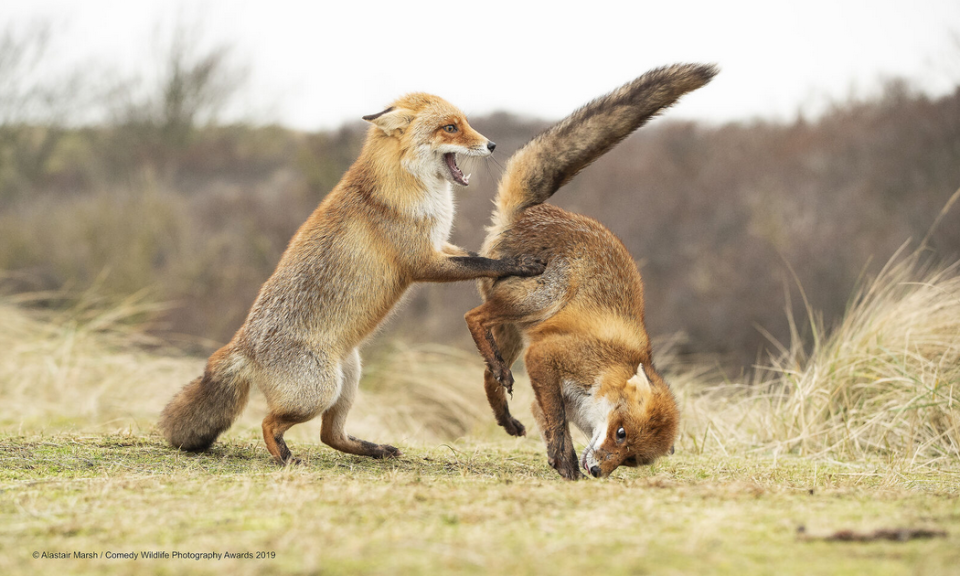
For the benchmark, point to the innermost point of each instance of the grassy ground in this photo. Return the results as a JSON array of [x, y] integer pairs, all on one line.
[[480, 508], [857, 434]]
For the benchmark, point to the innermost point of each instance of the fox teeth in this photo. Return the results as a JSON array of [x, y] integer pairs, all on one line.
[[467, 177]]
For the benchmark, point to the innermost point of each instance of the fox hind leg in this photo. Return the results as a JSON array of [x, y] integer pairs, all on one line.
[[511, 301], [483, 321], [510, 344], [308, 384], [334, 418], [274, 425]]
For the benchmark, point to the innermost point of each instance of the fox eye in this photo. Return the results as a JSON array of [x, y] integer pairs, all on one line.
[[451, 128], [621, 433]]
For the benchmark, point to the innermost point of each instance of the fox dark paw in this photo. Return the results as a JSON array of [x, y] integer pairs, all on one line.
[[527, 265], [568, 469], [513, 427], [386, 451], [375, 450]]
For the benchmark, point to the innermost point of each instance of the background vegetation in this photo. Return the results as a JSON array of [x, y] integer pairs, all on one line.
[[135, 186]]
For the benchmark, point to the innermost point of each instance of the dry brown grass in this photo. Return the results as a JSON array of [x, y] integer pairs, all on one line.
[[85, 367], [885, 381]]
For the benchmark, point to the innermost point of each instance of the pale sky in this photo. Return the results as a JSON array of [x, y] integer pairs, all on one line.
[[317, 64]]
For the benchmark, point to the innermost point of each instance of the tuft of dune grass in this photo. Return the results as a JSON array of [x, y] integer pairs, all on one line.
[[87, 366], [885, 381]]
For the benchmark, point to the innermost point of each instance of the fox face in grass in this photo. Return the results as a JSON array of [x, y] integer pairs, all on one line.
[[635, 422], [432, 134]]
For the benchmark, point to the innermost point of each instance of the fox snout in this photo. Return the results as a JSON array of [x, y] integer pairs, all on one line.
[[484, 148], [592, 460]]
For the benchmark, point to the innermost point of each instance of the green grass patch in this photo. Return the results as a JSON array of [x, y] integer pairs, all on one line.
[[473, 508], [857, 435]]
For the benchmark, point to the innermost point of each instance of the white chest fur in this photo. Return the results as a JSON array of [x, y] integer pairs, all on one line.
[[437, 207], [588, 412]]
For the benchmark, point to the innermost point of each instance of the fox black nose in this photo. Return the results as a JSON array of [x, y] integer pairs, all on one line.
[[491, 145], [595, 471]]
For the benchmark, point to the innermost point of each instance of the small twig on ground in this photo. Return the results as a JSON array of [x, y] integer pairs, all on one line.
[[892, 534]]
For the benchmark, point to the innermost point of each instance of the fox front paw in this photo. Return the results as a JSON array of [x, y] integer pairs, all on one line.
[[386, 451], [375, 450], [514, 427], [527, 265], [568, 469]]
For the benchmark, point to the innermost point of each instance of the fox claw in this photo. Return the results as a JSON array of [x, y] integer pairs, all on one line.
[[389, 452], [505, 378]]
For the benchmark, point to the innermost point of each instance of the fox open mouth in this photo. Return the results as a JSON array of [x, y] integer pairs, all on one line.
[[451, 159]]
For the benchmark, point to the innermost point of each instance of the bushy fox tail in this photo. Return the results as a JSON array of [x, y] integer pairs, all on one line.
[[206, 407], [554, 157]]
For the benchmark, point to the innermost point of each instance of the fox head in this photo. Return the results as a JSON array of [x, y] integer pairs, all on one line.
[[640, 423], [432, 134]]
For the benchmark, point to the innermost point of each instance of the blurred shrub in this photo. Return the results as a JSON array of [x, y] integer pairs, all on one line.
[[163, 198]]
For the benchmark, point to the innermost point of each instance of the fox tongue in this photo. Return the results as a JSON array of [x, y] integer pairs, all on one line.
[[455, 172]]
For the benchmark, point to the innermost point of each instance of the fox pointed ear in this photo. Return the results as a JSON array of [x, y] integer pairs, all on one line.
[[393, 120], [640, 380]]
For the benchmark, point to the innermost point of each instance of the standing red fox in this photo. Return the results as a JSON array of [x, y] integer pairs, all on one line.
[[588, 354], [382, 228]]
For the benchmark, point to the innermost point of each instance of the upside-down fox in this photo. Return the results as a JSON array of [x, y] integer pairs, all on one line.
[[382, 228], [587, 350]]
